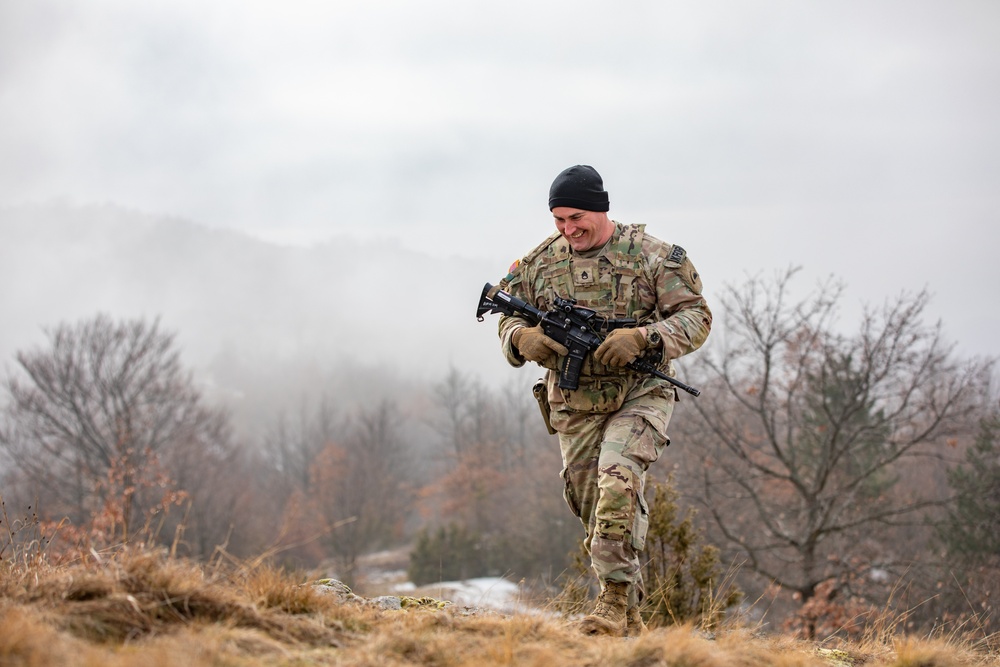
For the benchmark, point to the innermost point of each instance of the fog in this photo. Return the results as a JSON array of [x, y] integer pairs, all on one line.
[[380, 161]]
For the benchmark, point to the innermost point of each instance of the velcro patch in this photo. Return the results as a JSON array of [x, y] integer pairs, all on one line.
[[677, 254], [510, 273], [585, 273]]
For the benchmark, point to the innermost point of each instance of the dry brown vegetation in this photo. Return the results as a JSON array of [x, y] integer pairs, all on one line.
[[141, 607]]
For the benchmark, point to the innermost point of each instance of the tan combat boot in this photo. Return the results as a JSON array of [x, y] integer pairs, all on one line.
[[633, 623], [608, 617]]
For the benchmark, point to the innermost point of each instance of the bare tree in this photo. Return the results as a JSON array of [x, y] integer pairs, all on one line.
[[99, 413], [361, 487], [476, 421], [292, 446], [805, 431]]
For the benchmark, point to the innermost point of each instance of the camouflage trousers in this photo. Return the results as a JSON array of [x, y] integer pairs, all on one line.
[[605, 459]]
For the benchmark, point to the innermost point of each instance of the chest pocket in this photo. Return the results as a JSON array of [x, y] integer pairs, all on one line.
[[555, 281], [593, 283], [585, 274]]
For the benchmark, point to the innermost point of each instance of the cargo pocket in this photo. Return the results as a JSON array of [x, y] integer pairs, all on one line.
[[640, 524], [568, 494], [646, 442]]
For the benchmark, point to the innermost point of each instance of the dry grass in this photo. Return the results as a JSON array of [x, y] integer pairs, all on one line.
[[142, 608]]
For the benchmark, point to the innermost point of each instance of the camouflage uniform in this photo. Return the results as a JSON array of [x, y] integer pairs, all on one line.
[[614, 426]]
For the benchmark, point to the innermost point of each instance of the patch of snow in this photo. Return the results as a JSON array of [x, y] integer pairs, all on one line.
[[879, 575], [385, 577]]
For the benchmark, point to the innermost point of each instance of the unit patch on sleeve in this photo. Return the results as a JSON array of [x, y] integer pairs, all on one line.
[[677, 254]]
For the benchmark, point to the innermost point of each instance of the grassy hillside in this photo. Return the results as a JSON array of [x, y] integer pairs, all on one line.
[[144, 608]]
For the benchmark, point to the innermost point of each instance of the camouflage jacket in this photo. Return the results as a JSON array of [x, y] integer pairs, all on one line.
[[633, 275]]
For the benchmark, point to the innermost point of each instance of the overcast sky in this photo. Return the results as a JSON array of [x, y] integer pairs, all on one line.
[[853, 138]]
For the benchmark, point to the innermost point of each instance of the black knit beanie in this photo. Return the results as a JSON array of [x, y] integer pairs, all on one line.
[[579, 187]]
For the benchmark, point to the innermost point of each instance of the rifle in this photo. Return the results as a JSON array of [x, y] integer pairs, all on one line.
[[575, 327]]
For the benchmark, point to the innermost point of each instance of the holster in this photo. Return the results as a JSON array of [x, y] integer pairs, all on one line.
[[541, 393]]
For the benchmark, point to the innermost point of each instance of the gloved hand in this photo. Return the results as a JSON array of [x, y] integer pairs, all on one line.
[[621, 347], [534, 345]]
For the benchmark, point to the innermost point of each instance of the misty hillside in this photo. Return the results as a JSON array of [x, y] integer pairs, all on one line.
[[254, 320]]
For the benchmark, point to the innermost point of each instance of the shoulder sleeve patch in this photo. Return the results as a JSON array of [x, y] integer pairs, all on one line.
[[690, 276], [677, 254], [511, 272]]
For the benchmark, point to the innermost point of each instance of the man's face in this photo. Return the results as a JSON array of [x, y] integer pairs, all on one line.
[[585, 230]]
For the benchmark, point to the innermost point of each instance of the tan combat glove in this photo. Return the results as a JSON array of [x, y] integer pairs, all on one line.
[[534, 345], [621, 347]]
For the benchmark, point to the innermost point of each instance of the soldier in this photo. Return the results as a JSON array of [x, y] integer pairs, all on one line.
[[615, 424]]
